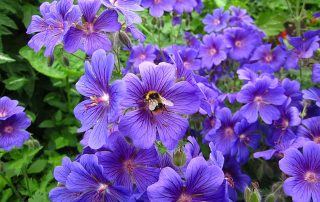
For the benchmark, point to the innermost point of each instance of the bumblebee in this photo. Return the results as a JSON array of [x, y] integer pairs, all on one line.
[[156, 102]]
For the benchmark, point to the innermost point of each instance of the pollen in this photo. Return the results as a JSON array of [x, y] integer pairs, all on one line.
[[212, 51], [8, 129], [184, 198], [3, 114], [238, 44], [311, 177]]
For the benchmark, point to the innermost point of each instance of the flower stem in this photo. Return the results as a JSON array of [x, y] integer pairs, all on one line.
[[15, 191]]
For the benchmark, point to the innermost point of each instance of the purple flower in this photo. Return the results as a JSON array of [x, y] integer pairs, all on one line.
[[282, 130], [189, 59], [292, 91], [261, 97], [310, 129], [224, 137], [210, 99], [136, 33], [217, 21], [239, 16], [303, 171], [192, 41], [303, 48], [103, 99], [127, 165], [127, 8], [246, 137], [140, 54], [157, 7], [90, 36], [316, 15], [8, 108], [212, 51], [85, 181], [56, 21], [312, 94], [192, 150], [234, 179], [279, 148], [275, 58], [201, 183], [241, 42], [12, 131], [316, 73], [157, 100], [187, 6]]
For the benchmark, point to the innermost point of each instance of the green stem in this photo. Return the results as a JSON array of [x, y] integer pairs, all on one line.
[[298, 18], [15, 191], [68, 92], [25, 176]]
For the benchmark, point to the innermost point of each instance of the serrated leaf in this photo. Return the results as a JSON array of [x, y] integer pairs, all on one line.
[[37, 166], [38, 196], [14, 83], [5, 58], [23, 158], [271, 23], [6, 21], [47, 124], [57, 70], [5, 195]]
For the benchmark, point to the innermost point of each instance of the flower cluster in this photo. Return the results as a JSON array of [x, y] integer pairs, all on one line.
[[13, 122], [61, 22], [140, 141]]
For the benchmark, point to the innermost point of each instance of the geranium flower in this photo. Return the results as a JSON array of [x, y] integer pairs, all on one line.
[[8, 108], [303, 171], [128, 166], [217, 21], [200, 184], [90, 36], [157, 7], [103, 98], [156, 101], [51, 28]]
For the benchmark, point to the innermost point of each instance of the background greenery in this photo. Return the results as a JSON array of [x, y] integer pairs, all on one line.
[[46, 87]]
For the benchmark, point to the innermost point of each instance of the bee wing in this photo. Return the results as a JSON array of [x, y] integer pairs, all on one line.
[[166, 102], [153, 104]]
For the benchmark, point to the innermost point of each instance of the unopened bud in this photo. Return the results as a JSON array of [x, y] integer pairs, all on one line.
[[125, 40], [50, 60], [179, 158], [65, 61]]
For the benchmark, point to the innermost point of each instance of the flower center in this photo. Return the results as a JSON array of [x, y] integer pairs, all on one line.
[[113, 1], [238, 44], [229, 179], [102, 188], [258, 100], [285, 123], [184, 198], [228, 132], [142, 56], [88, 28], [268, 58], [212, 51], [3, 114], [8, 129], [311, 177], [157, 1], [316, 139], [216, 22], [105, 99], [187, 65], [129, 166]]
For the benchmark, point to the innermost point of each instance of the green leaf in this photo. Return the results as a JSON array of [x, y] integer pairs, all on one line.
[[28, 11], [38, 196], [271, 23], [5, 195], [6, 21], [14, 83], [5, 58], [37, 166], [47, 124], [58, 69], [23, 157]]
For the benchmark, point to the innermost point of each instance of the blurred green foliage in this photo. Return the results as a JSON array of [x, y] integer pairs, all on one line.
[[46, 88]]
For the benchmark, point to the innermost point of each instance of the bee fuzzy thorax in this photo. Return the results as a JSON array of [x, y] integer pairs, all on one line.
[[155, 102]]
